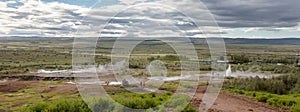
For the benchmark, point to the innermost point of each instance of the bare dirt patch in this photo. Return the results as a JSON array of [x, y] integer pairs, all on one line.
[[64, 88], [8, 87]]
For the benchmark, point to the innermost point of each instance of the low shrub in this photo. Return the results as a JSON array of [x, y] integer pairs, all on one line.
[[262, 99]]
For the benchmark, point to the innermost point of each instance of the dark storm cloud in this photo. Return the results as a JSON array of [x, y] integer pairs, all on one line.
[[255, 13]]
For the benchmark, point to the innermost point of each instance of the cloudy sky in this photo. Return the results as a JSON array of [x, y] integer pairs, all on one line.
[[140, 18]]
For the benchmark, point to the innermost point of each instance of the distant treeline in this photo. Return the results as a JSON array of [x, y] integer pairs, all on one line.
[[266, 59]]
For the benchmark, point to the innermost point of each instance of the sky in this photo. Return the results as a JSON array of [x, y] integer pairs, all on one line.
[[143, 18]]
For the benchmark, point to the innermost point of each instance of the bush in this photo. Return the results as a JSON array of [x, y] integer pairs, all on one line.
[[262, 99]]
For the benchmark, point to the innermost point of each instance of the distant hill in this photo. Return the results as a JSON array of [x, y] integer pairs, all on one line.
[[283, 41]]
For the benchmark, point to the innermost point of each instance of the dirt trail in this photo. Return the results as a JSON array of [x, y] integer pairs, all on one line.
[[228, 102]]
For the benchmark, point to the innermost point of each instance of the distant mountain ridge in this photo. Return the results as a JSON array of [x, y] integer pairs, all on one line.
[[271, 41], [282, 41]]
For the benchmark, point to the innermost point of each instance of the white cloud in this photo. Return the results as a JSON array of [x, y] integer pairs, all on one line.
[[56, 19], [130, 2], [35, 18]]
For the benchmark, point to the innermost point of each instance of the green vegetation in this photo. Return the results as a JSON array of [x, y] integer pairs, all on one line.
[[21, 93], [70, 105], [169, 86], [277, 85], [283, 101], [139, 101], [151, 102]]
